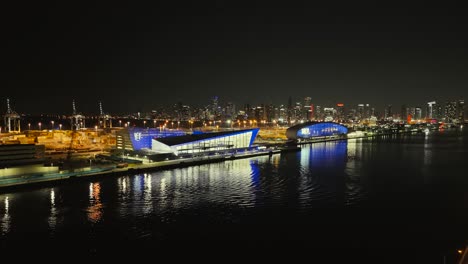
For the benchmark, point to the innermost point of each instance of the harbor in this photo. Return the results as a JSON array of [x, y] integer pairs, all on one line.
[[114, 170]]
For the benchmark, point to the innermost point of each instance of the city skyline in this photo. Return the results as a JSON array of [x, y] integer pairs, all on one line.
[[127, 55], [98, 108]]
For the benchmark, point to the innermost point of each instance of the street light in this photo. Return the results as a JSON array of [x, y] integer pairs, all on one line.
[[29, 126], [39, 125], [52, 123], [154, 123], [120, 123], [60, 126]]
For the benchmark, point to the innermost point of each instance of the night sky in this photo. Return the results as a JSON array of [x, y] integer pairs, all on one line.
[[134, 57]]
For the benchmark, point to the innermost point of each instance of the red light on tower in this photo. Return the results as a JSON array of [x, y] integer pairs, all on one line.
[[340, 104], [408, 119]]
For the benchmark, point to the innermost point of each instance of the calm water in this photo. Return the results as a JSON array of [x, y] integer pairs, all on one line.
[[393, 195]]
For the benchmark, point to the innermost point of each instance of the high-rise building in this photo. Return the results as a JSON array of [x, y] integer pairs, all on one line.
[[318, 112], [417, 113], [298, 110], [367, 111], [215, 106], [388, 112], [451, 112], [340, 111], [360, 111], [461, 111], [283, 113], [269, 113], [404, 112], [307, 108], [430, 110]]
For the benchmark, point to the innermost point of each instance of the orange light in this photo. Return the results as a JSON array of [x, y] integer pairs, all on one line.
[[460, 251], [340, 105]]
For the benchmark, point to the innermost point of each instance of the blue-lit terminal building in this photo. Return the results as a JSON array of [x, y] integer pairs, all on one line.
[[206, 142], [136, 139], [150, 142], [312, 130]]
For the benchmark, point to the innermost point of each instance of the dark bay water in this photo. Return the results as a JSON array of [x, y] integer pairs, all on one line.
[[386, 197]]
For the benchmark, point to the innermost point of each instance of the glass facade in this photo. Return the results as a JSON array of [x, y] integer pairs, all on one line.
[[218, 143]]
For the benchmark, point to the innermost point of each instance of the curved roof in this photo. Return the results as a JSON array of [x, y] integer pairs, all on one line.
[[177, 140], [315, 129]]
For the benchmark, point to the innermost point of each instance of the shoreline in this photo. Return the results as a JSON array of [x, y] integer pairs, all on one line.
[[54, 178], [63, 176]]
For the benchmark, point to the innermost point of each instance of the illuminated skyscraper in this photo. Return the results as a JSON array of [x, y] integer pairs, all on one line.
[[417, 113], [451, 112], [307, 108], [340, 111], [430, 110], [360, 111], [461, 111]]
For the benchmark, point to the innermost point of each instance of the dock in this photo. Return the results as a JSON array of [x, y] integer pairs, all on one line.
[[18, 181]]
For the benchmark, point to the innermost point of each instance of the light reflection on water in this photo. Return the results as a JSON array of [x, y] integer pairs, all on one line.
[[53, 211], [6, 216], [339, 174], [95, 208]]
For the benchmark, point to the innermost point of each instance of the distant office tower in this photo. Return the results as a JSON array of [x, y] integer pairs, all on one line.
[[248, 111], [230, 110], [367, 111], [259, 113], [417, 113], [461, 111], [430, 110], [388, 112], [438, 111], [351, 114], [312, 112], [297, 113], [290, 110], [403, 112], [307, 106], [318, 112], [329, 113], [451, 112], [372, 112], [360, 111], [340, 111], [283, 113], [215, 106], [269, 113]]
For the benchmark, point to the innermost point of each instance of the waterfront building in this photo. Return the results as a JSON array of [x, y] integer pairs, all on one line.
[[21, 154], [135, 138], [205, 142], [310, 130]]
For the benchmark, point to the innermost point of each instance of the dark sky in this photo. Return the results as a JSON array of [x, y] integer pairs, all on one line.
[[136, 57]]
